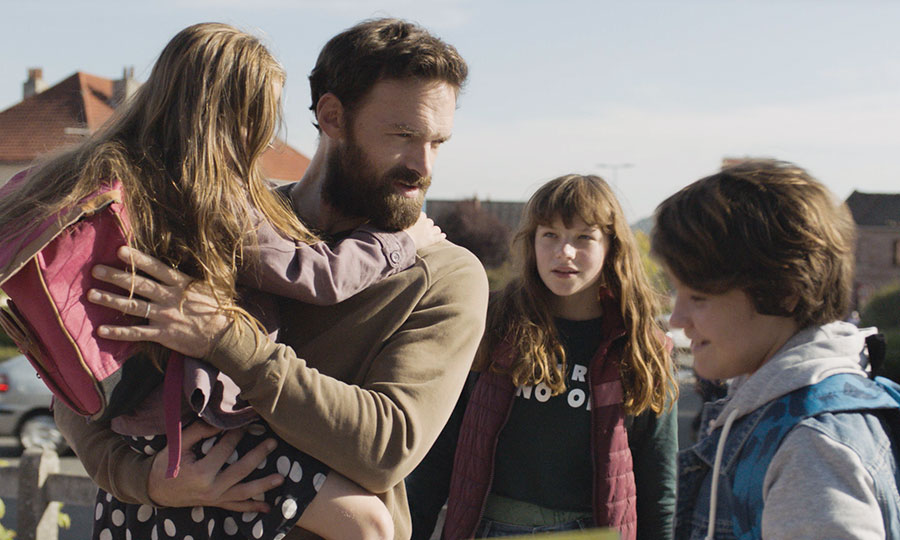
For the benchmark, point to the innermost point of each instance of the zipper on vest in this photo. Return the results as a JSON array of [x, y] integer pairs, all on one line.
[[490, 484]]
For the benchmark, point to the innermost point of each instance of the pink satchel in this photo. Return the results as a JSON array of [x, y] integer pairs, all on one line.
[[46, 272]]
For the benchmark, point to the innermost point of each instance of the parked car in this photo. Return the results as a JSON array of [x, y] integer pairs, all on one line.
[[680, 342], [25, 407]]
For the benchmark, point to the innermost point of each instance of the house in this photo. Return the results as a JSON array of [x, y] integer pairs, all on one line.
[[509, 213], [877, 217], [50, 118]]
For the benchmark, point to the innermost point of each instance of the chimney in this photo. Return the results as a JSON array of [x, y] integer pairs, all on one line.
[[125, 87], [35, 83]]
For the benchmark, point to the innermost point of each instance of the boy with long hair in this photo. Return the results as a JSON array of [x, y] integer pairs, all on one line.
[[761, 255]]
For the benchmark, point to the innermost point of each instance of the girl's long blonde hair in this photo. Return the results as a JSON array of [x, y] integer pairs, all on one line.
[[521, 316], [186, 148]]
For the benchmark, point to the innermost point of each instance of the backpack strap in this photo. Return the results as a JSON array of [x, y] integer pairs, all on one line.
[[839, 393], [876, 346], [172, 391]]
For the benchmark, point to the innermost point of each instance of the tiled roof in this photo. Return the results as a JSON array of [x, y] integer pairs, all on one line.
[[875, 209], [54, 118], [63, 114], [282, 162]]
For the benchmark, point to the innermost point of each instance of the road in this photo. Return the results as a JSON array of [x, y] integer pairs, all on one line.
[[9, 453]]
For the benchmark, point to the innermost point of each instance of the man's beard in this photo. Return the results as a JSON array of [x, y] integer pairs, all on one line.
[[352, 188]]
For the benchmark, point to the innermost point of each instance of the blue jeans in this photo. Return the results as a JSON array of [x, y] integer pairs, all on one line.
[[492, 529]]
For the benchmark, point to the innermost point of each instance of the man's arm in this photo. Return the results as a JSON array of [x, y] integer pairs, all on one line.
[[375, 432], [106, 457]]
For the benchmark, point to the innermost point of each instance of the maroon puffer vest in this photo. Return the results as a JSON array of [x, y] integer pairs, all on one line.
[[486, 414]]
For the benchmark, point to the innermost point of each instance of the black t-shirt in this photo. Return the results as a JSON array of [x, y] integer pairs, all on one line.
[[544, 451]]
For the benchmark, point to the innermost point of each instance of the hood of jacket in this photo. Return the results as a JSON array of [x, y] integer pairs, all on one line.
[[812, 354]]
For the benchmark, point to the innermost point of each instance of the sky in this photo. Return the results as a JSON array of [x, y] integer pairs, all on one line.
[[651, 95]]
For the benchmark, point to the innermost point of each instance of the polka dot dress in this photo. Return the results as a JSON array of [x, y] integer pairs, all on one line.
[[115, 520]]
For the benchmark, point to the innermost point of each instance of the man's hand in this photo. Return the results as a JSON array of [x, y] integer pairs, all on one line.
[[183, 315], [202, 482]]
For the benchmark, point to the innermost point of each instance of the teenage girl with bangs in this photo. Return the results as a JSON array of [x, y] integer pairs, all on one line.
[[571, 422]]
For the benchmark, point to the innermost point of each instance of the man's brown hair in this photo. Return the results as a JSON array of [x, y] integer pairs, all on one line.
[[767, 228], [353, 61]]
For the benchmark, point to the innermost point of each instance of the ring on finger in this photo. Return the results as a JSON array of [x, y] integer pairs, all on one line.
[[147, 313]]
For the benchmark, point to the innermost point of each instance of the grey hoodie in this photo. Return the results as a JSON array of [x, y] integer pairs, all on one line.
[[814, 487]]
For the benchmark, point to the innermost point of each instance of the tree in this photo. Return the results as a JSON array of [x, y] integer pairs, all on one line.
[[654, 270], [474, 228], [883, 311], [883, 308]]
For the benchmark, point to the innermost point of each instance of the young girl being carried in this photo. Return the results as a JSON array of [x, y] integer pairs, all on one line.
[[571, 423], [186, 150]]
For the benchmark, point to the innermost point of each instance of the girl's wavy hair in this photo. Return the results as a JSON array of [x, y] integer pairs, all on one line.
[[186, 148], [521, 316]]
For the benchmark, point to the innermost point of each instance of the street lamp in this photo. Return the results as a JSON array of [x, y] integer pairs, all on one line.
[[614, 167]]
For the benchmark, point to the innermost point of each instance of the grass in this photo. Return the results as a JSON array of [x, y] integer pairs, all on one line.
[[8, 351]]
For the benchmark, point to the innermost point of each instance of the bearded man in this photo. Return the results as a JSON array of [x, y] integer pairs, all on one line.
[[364, 386]]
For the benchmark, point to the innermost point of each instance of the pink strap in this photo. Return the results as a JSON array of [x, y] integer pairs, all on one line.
[[172, 404]]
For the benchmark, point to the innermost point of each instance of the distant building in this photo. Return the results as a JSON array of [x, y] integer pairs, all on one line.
[[50, 118], [509, 213], [877, 217]]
